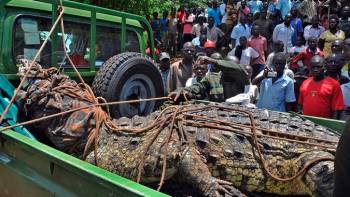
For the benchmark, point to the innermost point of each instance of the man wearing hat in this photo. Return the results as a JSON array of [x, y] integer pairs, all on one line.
[[164, 67], [226, 80]]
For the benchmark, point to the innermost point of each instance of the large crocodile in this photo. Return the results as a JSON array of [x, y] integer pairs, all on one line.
[[210, 156], [216, 149]]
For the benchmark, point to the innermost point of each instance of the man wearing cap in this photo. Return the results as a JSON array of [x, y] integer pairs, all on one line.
[[181, 70], [164, 67], [226, 80]]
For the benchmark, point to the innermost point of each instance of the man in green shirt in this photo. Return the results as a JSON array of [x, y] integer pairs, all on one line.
[[226, 80]]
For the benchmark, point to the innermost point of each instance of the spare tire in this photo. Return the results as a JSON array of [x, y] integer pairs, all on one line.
[[129, 76]]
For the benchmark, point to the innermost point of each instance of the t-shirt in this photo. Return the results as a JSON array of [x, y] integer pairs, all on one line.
[[329, 38], [247, 55], [196, 29], [346, 93], [173, 25], [214, 33], [188, 24], [321, 98], [252, 91], [259, 44], [255, 6]]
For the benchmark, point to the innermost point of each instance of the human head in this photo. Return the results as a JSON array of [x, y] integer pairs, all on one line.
[[334, 64], [173, 13], [165, 13], [164, 60], [155, 15], [210, 47], [215, 4], [199, 54], [345, 12], [263, 14], [188, 51], [249, 70], [312, 43], [243, 3], [279, 63], [317, 67], [250, 18], [288, 19], [242, 20], [299, 41], [333, 22], [255, 30], [347, 49], [243, 42], [337, 47], [200, 70], [201, 19], [278, 46], [294, 12], [265, 5], [232, 59], [315, 21], [202, 39], [210, 21]]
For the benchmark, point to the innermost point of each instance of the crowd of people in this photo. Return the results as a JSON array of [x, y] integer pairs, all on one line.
[[282, 55]]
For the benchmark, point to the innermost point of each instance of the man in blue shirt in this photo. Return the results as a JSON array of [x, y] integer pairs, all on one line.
[[297, 25], [255, 6], [277, 92], [214, 12], [240, 30]]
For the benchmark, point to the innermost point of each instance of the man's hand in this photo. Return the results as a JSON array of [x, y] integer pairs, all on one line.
[[206, 59], [266, 71], [180, 95]]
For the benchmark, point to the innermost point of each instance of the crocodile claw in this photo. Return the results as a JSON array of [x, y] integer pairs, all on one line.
[[226, 189]]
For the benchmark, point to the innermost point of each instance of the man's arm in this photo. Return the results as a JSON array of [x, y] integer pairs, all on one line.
[[337, 102], [233, 39], [306, 33], [336, 114], [294, 62], [290, 96], [171, 82], [274, 35], [199, 90]]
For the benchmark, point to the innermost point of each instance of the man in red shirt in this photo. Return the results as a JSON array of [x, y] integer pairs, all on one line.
[[306, 55], [259, 44], [320, 95]]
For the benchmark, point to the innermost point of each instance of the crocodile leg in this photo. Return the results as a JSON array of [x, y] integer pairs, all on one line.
[[320, 179], [195, 172]]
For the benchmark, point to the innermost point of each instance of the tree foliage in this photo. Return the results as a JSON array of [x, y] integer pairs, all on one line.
[[142, 7]]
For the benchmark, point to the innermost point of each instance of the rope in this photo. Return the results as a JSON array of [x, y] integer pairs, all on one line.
[[78, 109], [3, 115]]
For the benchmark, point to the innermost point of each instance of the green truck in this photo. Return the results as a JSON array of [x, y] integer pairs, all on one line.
[[105, 45], [108, 49], [31, 168]]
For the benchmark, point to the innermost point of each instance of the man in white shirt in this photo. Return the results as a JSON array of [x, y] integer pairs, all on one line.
[[197, 27], [283, 32], [240, 30], [244, 53], [313, 30]]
